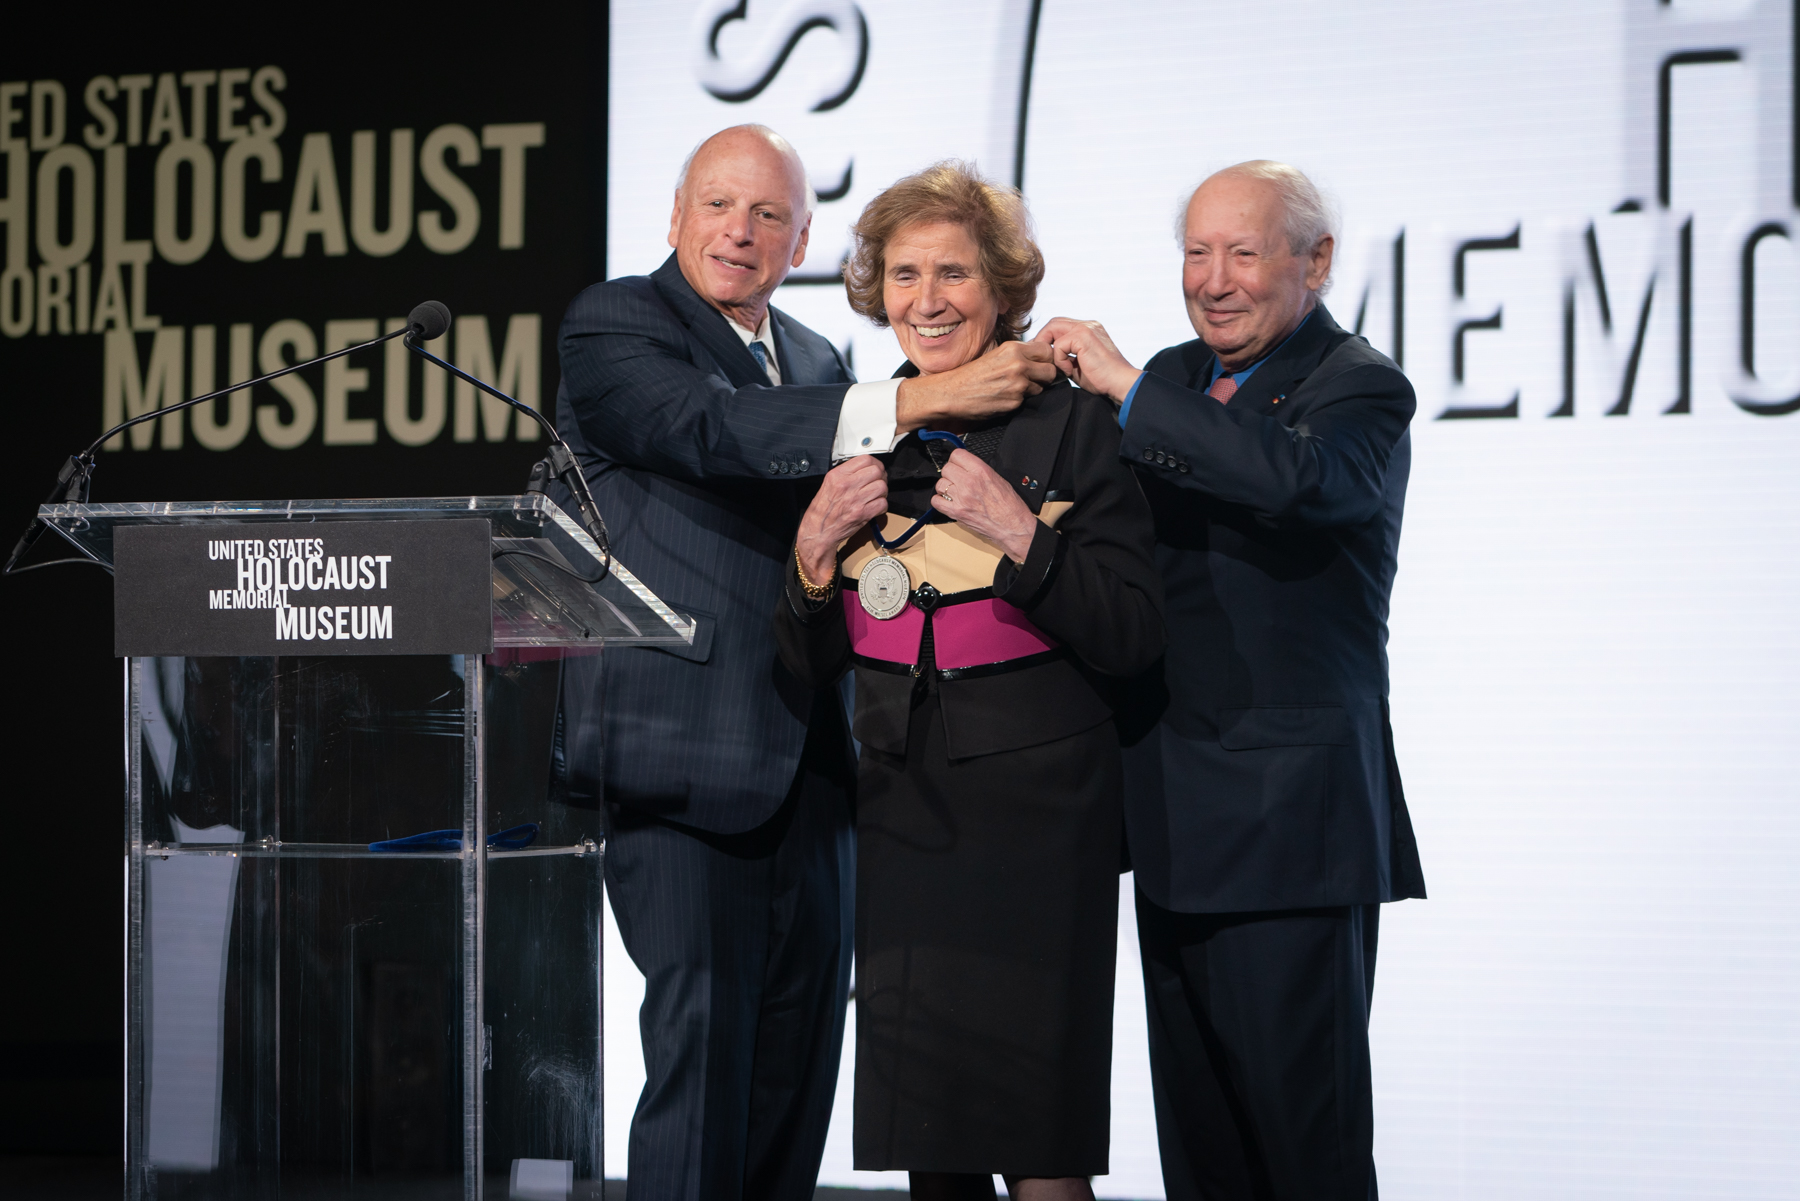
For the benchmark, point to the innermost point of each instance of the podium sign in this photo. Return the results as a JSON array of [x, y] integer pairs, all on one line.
[[344, 588]]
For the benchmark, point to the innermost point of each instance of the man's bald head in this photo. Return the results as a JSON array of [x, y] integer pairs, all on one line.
[[745, 138], [743, 211]]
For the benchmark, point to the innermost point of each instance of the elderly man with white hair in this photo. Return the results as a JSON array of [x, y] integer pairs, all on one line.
[[1264, 812]]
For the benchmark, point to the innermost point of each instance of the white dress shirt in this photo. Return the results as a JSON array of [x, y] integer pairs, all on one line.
[[867, 420]]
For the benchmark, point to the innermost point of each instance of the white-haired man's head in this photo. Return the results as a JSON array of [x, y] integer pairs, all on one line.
[[1257, 241], [742, 215], [782, 146], [1309, 212]]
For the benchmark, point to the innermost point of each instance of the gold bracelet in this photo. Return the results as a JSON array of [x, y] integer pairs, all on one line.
[[813, 591]]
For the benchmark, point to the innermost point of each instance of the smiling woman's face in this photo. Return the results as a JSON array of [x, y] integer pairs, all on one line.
[[941, 310]]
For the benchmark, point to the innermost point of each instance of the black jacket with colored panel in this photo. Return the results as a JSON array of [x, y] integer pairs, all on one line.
[[1088, 582]]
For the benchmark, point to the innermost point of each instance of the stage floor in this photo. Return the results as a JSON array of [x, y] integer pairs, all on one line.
[[96, 1178]]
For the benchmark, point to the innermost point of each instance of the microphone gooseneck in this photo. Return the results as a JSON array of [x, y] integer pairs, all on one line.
[[73, 482], [430, 320]]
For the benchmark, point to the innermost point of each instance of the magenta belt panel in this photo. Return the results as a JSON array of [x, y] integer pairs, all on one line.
[[896, 639], [967, 635], [985, 631]]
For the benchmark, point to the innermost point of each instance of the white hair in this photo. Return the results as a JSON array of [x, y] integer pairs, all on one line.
[[780, 143], [1309, 216]]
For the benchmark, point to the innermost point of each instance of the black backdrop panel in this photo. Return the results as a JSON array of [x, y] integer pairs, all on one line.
[[501, 121]]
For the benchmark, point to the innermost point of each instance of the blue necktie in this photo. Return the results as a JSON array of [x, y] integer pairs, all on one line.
[[760, 353]]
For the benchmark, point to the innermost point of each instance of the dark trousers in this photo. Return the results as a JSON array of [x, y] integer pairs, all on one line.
[[1259, 1051], [745, 944]]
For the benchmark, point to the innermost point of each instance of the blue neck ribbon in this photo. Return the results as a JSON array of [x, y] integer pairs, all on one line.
[[875, 526]]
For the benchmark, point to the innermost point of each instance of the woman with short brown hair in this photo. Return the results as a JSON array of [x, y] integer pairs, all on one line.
[[1007, 258], [982, 581]]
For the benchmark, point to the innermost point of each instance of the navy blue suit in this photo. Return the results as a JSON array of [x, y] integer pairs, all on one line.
[[1264, 810], [726, 781]]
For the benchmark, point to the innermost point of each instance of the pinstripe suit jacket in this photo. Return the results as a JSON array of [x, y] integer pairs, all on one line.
[[702, 471]]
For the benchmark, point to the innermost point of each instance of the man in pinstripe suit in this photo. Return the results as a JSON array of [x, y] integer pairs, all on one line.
[[704, 418]]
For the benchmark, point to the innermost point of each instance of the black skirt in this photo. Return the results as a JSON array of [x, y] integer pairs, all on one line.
[[987, 896]]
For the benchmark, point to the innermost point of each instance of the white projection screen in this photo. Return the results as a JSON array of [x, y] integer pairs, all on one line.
[[1574, 224]]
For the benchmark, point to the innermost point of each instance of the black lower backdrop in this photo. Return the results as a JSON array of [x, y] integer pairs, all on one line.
[[507, 112]]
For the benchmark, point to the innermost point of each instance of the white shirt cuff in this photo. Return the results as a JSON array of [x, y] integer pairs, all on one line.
[[867, 420]]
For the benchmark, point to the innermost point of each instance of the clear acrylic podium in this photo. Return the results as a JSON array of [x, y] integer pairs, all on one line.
[[310, 1017]]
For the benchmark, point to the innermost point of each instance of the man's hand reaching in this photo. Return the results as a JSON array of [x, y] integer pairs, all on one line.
[[1084, 351], [995, 383]]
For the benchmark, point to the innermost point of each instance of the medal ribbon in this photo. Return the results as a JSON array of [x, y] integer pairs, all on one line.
[[875, 526]]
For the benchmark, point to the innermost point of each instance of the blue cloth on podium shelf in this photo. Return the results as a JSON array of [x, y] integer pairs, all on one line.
[[515, 838]]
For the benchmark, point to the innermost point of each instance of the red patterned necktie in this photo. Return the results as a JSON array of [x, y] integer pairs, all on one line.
[[1223, 388]]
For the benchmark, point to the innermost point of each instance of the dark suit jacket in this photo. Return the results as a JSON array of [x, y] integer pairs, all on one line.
[[1090, 583], [701, 470], [1270, 781]]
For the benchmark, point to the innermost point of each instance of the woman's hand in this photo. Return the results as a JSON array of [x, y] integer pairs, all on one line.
[[974, 495], [853, 493]]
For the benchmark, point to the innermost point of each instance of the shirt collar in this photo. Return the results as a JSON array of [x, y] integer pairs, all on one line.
[[762, 333], [1238, 377]]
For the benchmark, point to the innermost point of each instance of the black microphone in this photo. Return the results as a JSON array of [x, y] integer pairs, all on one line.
[[429, 320], [75, 480]]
